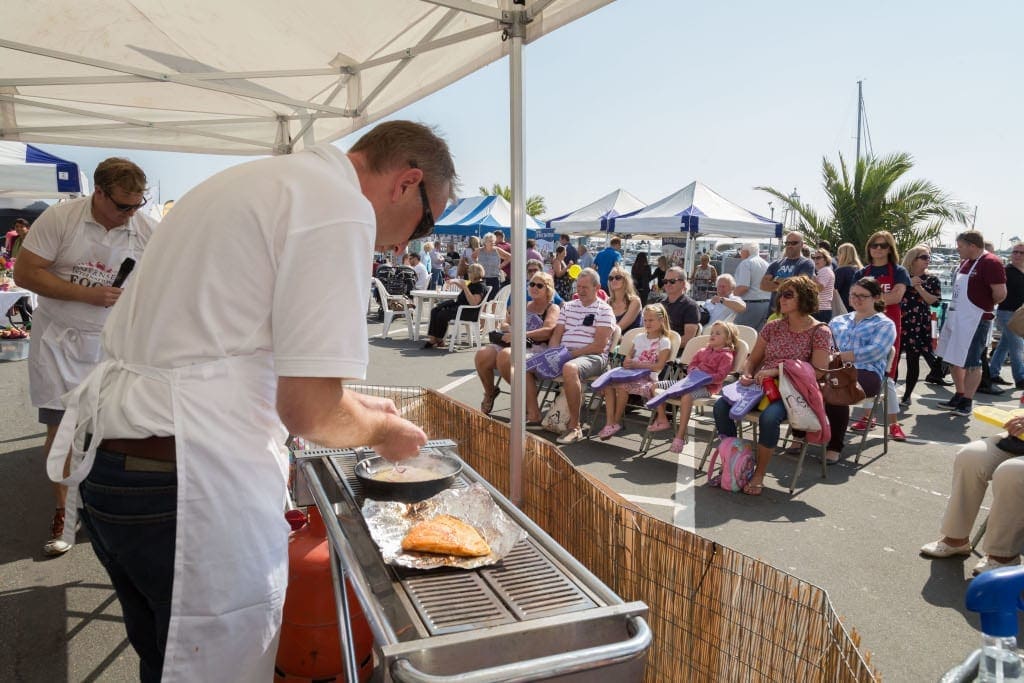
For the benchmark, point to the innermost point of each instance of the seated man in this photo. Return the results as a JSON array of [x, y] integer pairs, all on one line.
[[724, 305], [976, 464], [585, 327], [422, 274]]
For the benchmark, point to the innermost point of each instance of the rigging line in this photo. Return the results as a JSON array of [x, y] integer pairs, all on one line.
[[867, 130]]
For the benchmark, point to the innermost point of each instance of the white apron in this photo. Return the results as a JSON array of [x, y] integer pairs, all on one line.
[[65, 343], [231, 544], [962, 320]]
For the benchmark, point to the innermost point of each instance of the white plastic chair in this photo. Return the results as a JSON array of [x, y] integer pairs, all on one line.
[[494, 310], [389, 315], [749, 335], [472, 327]]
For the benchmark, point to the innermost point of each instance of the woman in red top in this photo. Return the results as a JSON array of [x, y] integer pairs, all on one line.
[[883, 264]]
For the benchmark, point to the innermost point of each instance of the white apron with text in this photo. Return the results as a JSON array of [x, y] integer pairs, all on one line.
[[962, 320], [231, 552]]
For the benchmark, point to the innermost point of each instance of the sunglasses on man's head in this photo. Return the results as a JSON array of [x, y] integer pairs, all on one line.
[[880, 245], [426, 224]]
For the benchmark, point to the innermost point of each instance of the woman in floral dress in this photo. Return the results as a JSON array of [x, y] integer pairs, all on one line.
[[924, 292]]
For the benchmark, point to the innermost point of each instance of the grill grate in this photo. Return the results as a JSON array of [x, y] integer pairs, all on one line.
[[532, 586], [453, 602]]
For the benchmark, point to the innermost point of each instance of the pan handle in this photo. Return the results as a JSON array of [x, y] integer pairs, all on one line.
[[560, 664]]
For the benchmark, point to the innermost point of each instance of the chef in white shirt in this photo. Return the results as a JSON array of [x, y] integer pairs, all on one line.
[[422, 276], [70, 259], [207, 378]]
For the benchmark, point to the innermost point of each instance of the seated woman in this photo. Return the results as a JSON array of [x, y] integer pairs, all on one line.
[[796, 335], [864, 337], [650, 350], [978, 463], [471, 295], [623, 299], [541, 318]]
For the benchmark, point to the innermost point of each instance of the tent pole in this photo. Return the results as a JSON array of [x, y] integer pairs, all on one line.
[[517, 30]]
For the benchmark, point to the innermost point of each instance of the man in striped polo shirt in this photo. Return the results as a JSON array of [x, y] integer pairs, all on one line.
[[585, 327]]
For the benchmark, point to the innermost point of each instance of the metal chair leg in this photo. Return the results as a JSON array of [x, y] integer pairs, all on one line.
[[976, 539]]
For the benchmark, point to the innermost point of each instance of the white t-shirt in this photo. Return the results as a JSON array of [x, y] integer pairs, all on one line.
[[646, 350], [269, 256], [422, 276], [720, 311], [574, 315], [84, 252]]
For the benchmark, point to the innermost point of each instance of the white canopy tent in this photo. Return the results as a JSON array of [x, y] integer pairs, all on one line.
[[27, 172], [595, 216], [261, 77]]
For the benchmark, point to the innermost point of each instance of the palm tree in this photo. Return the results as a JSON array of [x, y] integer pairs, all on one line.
[[535, 205], [870, 201]]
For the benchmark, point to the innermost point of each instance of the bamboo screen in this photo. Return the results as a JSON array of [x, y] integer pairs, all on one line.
[[716, 614]]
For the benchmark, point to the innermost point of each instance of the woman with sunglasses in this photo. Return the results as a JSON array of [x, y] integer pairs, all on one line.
[[541, 319], [826, 279], [863, 337], [796, 335], [623, 299], [916, 334], [883, 264]]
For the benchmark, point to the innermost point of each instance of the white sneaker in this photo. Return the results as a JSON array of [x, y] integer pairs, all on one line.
[[571, 436], [987, 564], [940, 549], [56, 545]]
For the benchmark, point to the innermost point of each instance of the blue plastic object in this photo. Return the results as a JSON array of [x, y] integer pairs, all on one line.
[[996, 596]]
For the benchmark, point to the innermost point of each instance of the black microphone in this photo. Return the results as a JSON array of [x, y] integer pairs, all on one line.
[[122, 273]]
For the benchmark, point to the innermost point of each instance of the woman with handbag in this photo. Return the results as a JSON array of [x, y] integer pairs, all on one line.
[[541, 318], [863, 338], [795, 335]]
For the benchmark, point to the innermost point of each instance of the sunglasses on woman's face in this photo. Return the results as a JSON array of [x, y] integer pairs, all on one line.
[[880, 245], [924, 257], [615, 277], [788, 294], [537, 285]]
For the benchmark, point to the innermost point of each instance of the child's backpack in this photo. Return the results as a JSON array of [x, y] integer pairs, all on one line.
[[737, 460]]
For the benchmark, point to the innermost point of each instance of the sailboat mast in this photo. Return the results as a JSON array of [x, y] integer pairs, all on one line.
[[860, 113]]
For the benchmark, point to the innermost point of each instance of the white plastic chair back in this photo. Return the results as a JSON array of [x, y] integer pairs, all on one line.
[[390, 315], [471, 326], [749, 335], [692, 347], [626, 343]]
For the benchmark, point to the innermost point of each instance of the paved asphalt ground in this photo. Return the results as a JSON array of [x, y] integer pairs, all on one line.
[[856, 534]]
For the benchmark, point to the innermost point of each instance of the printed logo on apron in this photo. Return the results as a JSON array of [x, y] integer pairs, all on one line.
[[93, 274]]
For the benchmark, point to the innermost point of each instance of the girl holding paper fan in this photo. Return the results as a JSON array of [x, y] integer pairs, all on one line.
[[650, 350], [716, 359]]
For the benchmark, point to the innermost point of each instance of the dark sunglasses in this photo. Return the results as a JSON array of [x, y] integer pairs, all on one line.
[[672, 281], [619, 277], [879, 245], [126, 208], [819, 257], [1018, 251], [926, 257], [788, 294], [426, 224], [793, 244], [538, 285]]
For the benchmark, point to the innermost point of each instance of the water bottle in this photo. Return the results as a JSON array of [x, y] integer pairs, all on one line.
[[995, 594]]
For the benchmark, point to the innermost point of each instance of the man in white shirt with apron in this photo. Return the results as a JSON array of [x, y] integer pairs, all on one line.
[[70, 259], [980, 284], [177, 441]]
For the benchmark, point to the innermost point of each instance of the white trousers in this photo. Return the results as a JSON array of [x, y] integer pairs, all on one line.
[[976, 464]]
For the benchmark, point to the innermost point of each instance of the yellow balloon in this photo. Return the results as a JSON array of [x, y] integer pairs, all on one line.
[[575, 270]]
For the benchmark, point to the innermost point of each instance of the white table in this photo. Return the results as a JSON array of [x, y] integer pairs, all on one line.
[[11, 296], [425, 298]]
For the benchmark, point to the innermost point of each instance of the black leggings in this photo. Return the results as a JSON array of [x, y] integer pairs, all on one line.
[[914, 368]]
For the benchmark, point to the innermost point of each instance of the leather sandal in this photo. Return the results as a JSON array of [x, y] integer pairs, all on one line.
[[752, 489], [487, 405]]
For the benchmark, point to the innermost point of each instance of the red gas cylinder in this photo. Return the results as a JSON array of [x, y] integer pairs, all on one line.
[[309, 648]]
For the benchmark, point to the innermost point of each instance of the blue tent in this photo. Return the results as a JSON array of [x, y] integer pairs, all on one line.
[[27, 171], [480, 215]]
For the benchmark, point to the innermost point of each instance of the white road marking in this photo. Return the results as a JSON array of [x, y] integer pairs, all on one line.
[[457, 383]]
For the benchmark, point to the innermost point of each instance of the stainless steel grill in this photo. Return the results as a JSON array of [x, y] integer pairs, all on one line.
[[538, 614]]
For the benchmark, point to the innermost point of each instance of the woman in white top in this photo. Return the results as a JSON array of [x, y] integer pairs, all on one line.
[[826, 279]]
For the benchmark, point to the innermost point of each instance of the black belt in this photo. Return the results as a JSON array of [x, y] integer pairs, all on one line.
[[150, 448]]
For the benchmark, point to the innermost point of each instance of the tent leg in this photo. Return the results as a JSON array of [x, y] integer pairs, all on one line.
[[518, 342]]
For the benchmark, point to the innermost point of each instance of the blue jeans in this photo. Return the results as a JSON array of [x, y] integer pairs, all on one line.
[[1009, 343], [130, 512], [768, 426], [977, 347]]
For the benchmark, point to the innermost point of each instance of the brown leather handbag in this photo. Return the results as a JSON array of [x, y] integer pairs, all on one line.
[[839, 385]]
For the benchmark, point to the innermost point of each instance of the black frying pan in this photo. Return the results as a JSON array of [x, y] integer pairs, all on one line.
[[416, 479]]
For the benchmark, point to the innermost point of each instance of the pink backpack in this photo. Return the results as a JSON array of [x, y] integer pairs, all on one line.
[[737, 464]]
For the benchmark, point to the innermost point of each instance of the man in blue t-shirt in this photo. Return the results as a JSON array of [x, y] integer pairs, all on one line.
[[571, 255], [792, 263], [606, 260]]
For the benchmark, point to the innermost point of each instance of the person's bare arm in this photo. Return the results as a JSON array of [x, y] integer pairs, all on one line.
[[556, 336], [31, 273], [734, 305], [998, 293], [768, 283], [689, 332], [547, 330], [741, 290], [597, 345], [631, 313], [895, 295], [319, 409]]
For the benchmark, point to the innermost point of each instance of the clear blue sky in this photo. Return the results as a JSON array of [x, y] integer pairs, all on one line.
[[649, 95]]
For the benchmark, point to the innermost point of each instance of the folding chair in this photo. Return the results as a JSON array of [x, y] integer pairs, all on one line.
[[550, 385], [389, 314], [493, 312], [615, 358], [472, 327], [883, 397]]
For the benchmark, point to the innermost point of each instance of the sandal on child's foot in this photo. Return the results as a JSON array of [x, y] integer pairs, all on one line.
[[795, 448], [659, 426], [677, 445], [753, 489]]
